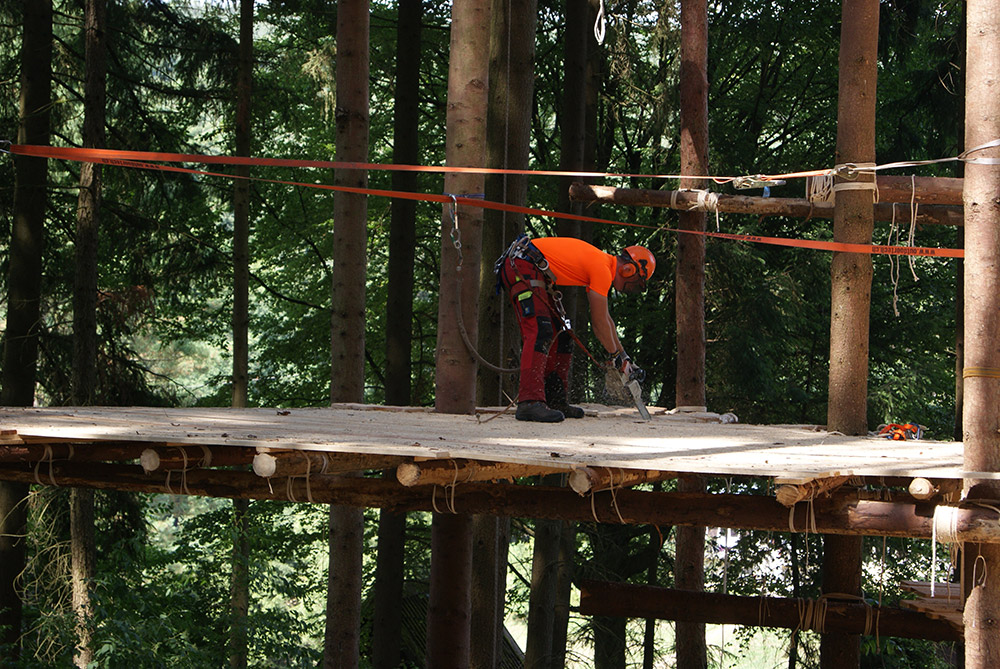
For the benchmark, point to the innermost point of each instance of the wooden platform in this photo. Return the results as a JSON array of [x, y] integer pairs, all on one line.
[[945, 604], [612, 438]]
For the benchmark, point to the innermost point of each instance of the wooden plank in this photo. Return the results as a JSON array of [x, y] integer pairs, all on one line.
[[830, 615], [608, 439], [944, 591]]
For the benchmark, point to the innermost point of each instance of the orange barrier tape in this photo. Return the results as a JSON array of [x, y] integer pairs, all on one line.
[[96, 156], [104, 155]]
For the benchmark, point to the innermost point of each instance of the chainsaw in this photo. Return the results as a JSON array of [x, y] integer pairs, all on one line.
[[623, 385]]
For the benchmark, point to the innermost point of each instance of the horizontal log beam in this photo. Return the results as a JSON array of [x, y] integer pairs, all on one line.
[[621, 600], [306, 463], [925, 190], [177, 458], [839, 514], [61, 450], [790, 495], [585, 480], [757, 206], [454, 471]]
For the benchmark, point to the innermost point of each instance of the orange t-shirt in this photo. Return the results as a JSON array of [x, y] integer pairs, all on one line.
[[577, 263]]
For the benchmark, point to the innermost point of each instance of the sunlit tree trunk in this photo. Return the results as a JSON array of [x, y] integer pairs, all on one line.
[[449, 610], [981, 421], [512, 75], [20, 346], [689, 568], [851, 277], [350, 212]]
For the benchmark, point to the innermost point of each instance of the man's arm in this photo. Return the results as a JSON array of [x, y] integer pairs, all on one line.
[[604, 327]]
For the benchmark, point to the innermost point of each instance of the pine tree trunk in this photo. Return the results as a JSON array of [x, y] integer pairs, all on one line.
[[389, 571], [689, 569], [981, 421], [512, 74], [239, 585], [490, 541], [350, 212], [573, 140], [539, 649], [20, 346], [851, 277], [403, 213], [853, 221], [84, 376], [449, 608]]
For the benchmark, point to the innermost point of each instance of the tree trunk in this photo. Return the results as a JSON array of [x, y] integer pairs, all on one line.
[[981, 422], [20, 345], [851, 278], [239, 585], [350, 212], [690, 291], [572, 157], [388, 589], [449, 609], [341, 648], [564, 587], [851, 273], [84, 377], [539, 648], [689, 569], [512, 74], [468, 78], [689, 574], [403, 213], [490, 540]]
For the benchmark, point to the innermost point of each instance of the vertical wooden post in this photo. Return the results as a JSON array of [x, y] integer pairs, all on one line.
[[851, 277], [851, 273], [981, 420], [690, 299], [690, 291], [350, 240], [449, 609]]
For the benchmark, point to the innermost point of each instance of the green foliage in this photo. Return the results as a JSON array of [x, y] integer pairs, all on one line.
[[165, 274]]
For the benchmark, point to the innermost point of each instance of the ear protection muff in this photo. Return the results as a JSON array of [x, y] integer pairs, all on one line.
[[628, 269]]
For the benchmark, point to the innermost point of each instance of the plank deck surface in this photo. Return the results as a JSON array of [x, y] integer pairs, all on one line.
[[607, 437]]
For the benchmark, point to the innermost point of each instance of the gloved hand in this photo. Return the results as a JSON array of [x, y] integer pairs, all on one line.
[[636, 373], [620, 361]]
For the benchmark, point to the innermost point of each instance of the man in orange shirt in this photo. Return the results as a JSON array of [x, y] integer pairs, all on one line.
[[530, 271]]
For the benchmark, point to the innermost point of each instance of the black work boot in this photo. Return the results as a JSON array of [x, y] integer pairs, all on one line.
[[538, 412], [555, 397]]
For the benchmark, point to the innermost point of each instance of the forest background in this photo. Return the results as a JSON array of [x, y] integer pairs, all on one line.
[[165, 279]]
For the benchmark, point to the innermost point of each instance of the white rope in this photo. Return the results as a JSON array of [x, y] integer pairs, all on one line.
[[600, 29]]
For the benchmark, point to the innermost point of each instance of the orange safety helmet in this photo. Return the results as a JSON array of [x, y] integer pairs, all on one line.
[[639, 260]]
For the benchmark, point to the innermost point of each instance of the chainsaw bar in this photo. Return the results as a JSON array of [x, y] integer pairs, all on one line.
[[636, 393]]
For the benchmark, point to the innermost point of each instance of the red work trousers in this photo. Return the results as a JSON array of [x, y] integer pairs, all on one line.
[[546, 345]]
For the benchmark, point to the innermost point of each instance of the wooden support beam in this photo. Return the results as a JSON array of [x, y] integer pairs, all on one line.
[[303, 463], [925, 489], [450, 472], [89, 452], [790, 495], [839, 514], [758, 206], [923, 190], [175, 458], [585, 480], [599, 598]]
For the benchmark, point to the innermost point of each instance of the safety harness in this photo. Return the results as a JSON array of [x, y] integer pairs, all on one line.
[[522, 248]]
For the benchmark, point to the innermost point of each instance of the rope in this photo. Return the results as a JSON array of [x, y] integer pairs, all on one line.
[[600, 29], [986, 372]]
